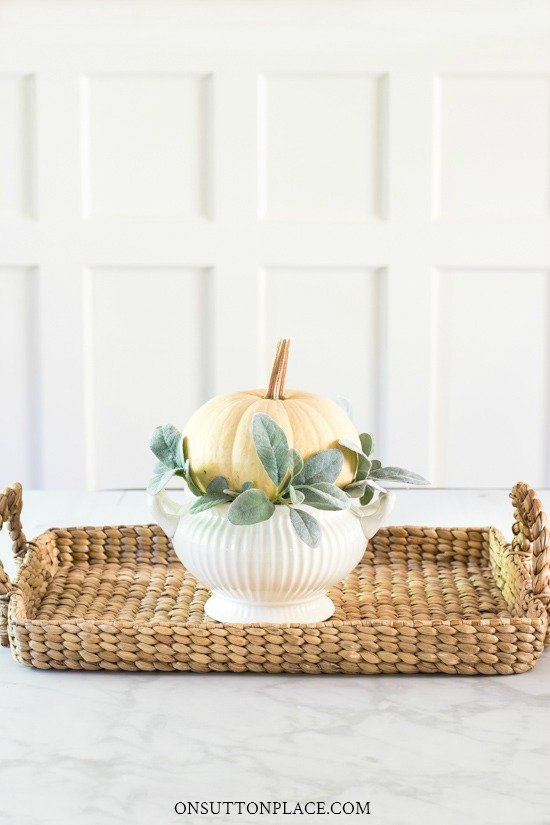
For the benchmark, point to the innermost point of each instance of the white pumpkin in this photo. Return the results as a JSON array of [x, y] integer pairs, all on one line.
[[218, 438]]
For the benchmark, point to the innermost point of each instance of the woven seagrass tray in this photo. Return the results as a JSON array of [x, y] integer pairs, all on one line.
[[422, 599]]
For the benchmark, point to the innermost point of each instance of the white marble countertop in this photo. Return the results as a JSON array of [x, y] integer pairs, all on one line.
[[101, 748]]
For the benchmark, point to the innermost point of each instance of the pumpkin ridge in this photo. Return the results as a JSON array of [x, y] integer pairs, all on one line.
[[210, 422], [295, 411], [314, 417]]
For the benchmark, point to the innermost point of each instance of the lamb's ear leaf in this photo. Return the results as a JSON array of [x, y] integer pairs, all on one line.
[[247, 486], [375, 464], [398, 474], [296, 496], [165, 444], [356, 489], [159, 480], [363, 467], [296, 462], [375, 486], [306, 526], [325, 496], [217, 485], [271, 446], [324, 466], [250, 507], [367, 496], [208, 501], [351, 445], [367, 443]]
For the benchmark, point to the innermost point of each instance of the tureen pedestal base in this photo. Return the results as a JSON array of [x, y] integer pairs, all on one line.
[[317, 608]]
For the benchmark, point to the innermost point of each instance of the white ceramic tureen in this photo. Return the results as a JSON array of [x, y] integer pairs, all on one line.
[[264, 572]]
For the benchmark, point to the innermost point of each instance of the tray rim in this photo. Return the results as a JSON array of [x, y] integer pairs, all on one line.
[[491, 619]]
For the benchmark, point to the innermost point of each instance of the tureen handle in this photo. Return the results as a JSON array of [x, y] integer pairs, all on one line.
[[372, 515], [166, 511]]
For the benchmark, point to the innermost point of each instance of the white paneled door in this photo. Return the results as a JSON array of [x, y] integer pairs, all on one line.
[[182, 183]]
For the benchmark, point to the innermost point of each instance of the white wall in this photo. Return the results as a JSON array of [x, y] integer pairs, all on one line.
[[181, 183]]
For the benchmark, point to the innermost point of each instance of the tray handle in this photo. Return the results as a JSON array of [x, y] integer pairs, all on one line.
[[11, 504], [532, 540]]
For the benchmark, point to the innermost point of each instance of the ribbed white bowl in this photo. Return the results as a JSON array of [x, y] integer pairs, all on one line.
[[264, 572]]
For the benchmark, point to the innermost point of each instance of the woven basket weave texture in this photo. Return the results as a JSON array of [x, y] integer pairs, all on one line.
[[458, 601]]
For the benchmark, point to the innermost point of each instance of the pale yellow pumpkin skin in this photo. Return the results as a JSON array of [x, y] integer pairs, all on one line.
[[218, 438]]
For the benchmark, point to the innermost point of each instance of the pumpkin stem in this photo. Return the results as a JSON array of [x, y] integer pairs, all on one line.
[[276, 386]]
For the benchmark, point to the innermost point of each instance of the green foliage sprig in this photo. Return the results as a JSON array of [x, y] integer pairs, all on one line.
[[298, 482]]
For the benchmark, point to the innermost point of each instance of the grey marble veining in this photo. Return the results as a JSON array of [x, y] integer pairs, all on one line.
[[101, 748]]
